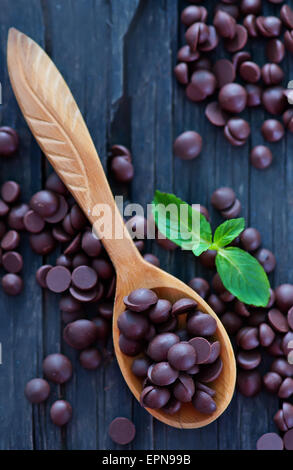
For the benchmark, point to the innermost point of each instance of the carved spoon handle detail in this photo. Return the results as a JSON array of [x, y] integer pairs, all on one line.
[[57, 124]]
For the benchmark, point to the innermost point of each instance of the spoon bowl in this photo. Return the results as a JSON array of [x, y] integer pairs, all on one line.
[[58, 126], [168, 287]]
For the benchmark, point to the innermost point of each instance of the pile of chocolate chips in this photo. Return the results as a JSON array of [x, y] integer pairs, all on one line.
[[257, 85], [178, 362]]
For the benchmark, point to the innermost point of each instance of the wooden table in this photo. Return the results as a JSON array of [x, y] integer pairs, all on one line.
[[117, 56]]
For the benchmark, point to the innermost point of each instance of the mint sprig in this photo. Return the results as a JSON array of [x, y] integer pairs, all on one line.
[[239, 271]]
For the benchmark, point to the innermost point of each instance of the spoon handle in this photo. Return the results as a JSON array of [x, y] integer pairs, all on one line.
[[58, 126]]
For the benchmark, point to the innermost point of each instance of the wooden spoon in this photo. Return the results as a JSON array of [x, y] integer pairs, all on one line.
[[57, 124]]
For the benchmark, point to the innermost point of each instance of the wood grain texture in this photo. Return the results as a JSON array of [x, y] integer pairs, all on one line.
[[133, 47]]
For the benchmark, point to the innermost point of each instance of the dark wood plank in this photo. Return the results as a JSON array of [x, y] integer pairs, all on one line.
[[21, 318]]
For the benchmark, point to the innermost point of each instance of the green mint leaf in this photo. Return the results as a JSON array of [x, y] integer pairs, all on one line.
[[174, 217], [243, 276], [227, 232]]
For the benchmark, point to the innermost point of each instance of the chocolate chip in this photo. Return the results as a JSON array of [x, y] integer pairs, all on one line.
[[288, 41], [201, 324], [12, 262], [90, 358], [233, 211], [10, 240], [74, 246], [193, 14], [248, 360], [202, 349], [261, 157], [250, 239], [90, 244], [10, 191], [284, 297], [59, 215], [182, 356], [250, 6], [250, 24], [55, 184], [80, 334], [215, 114], [9, 141], [203, 402], [132, 325], [68, 303], [286, 15], [232, 322], [16, 215], [77, 218], [203, 84], [33, 222], [286, 388], [196, 34], [239, 40], [223, 198], [275, 51], [272, 381], [237, 131], [41, 275], [140, 300], [288, 119], [183, 305], [233, 97], [57, 368], [274, 100], [159, 346], [278, 321], [122, 169], [288, 440], [247, 338], [61, 412], [225, 24], [152, 259], [184, 388], [84, 277], [250, 72], [185, 54], [58, 279], [272, 130], [163, 374], [216, 304], [160, 312], [266, 258], [266, 335], [224, 72], [122, 431], [270, 441], [42, 243], [207, 258], [181, 73], [249, 382], [4, 208], [45, 203], [282, 367], [200, 285], [12, 284], [140, 366], [154, 397], [37, 390], [269, 26], [188, 145], [254, 93]]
